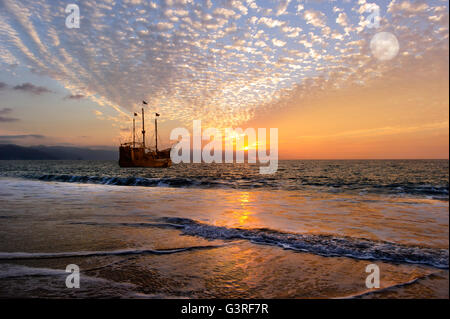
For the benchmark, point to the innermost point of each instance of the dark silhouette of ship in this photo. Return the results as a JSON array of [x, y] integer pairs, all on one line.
[[135, 154]]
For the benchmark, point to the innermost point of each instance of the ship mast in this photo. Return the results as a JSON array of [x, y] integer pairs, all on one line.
[[156, 132], [143, 130], [134, 130], [134, 139]]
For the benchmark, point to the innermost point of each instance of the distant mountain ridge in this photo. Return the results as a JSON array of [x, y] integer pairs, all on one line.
[[16, 152]]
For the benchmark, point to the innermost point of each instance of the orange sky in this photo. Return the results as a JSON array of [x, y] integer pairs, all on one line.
[[402, 114]]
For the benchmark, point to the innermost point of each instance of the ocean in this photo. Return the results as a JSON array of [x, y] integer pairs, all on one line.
[[224, 230]]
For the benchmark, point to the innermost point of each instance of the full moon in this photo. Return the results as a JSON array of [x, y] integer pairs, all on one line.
[[384, 46]]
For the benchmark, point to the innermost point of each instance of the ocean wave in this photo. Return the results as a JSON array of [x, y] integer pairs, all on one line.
[[387, 288], [19, 271], [13, 271], [25, 255], [323, 245], [123, 181], [50, 287], [435, 191]]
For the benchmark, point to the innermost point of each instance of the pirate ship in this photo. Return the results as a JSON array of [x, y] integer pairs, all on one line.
[[136, 154]]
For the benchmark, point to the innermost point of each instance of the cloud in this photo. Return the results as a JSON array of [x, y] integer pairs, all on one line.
[[4, 119], [240, 6], [291, 32], [316, 18], [271, 23], [74, 97], [282, 6], [385, 130], [406, 6], [205, 60], [227, 13], [278, 43], [5, 110], [8, 119], [22, 136], [31, 88], [342, 19]]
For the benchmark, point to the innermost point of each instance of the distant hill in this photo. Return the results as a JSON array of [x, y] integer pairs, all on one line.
[[16, 152]]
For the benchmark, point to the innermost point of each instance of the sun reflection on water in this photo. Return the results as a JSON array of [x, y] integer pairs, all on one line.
[[240, 213]]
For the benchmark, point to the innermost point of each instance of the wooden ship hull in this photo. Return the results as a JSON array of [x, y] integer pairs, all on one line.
[[152, 164], [135, 157], [158, 163], [133, 154]]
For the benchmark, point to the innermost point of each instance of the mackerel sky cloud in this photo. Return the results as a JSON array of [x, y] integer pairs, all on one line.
[[220, 61]]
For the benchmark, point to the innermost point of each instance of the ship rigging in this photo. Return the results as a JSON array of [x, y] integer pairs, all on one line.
[[136, 154]]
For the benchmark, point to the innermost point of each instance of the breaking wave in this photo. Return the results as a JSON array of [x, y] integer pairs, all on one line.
[[24, 255], [438, 192], [323, 245]]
